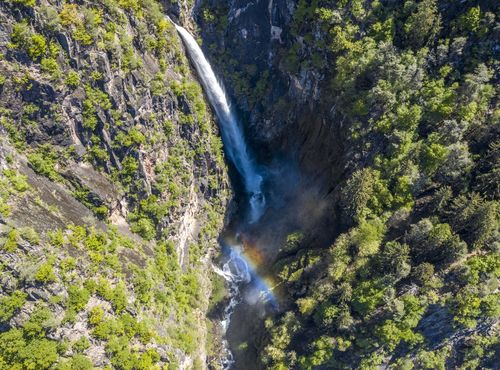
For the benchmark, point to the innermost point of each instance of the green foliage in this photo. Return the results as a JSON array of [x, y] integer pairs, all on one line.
[[423, 24], [10, 245], [29, 234], [474, 218], [72, 79], [469, 21], [29, 3], [119, 298], [81, 344], [367, 296], [45, 273], [392, 332], [51, 67], [18, 182], [27, 353], [77, 362], [39, 322], [369, 236], [44, 161], [131, 138], [435, 360], [56, 238], [37, 46], [10, 304], [365, 193], [144, 227], [77, 298], [434, 242], [95, 99]]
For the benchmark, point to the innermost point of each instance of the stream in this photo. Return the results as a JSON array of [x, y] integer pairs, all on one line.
[[241, 262]]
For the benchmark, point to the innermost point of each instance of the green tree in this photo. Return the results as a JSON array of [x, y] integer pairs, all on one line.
[[423, 24]]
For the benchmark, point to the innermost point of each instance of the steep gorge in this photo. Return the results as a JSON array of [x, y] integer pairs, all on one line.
[[374, 126]]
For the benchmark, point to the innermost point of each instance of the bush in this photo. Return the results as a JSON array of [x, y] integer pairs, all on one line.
[[77, 362], [43, 162], [434, 243], [95, 315], [119, 298], [29, 234], [56, 238], [10, 244], [29, 3], [20, 352], [37, 47], [40, 320], [144, 227], [77, 298], [9, 305], [45, 273], [51, 67], [81, 344], [369, 236], [72, 79], [367, 296], [18, 182]]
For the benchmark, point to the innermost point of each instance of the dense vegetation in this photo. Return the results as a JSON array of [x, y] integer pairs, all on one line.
[[419, 260], [411, 281]]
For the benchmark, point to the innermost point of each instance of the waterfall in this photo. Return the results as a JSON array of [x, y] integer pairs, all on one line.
[[231, 131], [238, 269]]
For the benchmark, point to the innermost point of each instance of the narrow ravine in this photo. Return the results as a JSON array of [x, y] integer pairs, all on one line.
[[238, 267]]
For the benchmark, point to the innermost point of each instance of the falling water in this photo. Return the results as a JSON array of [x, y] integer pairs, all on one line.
[[238, 268], [231, 130]]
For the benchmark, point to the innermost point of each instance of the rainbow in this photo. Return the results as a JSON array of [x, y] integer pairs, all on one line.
[[251, 255]]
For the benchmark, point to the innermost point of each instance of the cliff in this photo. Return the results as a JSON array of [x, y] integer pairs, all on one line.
[[113, 189]]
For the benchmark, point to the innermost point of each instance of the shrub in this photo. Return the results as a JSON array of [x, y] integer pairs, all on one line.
[[77, 362], [56, 238], [43, 162], [20, 34], [107, 328], [27, 353], [45, 273], [367, 296], [77, 298], [369, 236], [10, 304], [37, 47], [18, 182], [81, 344], [119, 298], [434, 243], [40, 320], [144, 227], [29, 3], [29, 234], [10, 244], [51, 67], [96, 315], [72, 79]]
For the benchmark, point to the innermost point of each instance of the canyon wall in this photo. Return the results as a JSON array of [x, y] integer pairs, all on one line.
[[113, 189]]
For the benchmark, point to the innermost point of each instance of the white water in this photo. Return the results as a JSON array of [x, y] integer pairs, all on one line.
[[232, 134], [236, 270]]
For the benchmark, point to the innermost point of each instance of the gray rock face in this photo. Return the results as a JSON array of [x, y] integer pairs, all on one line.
[[129, 139]]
